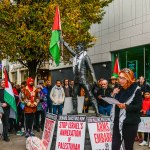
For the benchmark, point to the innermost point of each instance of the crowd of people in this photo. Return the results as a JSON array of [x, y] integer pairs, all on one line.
[[34, 101]]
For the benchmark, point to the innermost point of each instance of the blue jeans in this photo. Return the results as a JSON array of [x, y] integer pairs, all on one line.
[[57, 108], [105, 110]]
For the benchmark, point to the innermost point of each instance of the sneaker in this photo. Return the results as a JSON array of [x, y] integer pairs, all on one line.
[[27, 135], [144, 143]]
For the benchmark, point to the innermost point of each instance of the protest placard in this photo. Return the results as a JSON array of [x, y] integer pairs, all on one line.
[[144, 125], [100, 133], [71, 133], [68, 107], [48, 132]]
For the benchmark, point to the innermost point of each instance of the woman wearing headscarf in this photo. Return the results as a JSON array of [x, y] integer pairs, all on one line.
[[31, 99], [126, 114]]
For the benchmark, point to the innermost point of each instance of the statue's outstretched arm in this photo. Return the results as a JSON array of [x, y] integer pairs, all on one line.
[[68, 47]]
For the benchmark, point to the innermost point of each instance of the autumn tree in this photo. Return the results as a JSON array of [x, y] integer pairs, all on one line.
[[25, 27]]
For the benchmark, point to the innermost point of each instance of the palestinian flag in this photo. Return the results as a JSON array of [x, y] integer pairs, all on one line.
[[9, 96], [116, 68], [55, 38]]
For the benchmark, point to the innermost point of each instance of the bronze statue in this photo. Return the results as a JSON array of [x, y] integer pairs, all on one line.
[[81, 66]]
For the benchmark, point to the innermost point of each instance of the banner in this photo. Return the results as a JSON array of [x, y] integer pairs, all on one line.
[[68, 105], [71, 133], [48, 132], [144, 125], [100, 133]]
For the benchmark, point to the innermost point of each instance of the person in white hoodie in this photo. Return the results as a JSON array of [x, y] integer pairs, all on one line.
[[57, 96]]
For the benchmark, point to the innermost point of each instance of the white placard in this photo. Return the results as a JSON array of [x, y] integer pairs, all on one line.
[[48, 132], [144, 125], [71, 133], [100, 133], [68, 107], [110, 100]]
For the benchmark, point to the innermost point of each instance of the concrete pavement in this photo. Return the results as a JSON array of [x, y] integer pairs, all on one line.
[[18, 143]]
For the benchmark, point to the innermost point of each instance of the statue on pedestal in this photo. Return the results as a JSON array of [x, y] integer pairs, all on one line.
[[81, 67]]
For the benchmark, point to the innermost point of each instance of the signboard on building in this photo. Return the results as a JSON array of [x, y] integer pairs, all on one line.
[[100, 133], [48, 132], [71, 132], [144, 125], [133, 65]]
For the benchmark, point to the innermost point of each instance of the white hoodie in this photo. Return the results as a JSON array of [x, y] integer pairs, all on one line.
[[57, 95]]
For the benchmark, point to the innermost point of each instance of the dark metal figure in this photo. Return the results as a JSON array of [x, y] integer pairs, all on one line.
[[81, 67]]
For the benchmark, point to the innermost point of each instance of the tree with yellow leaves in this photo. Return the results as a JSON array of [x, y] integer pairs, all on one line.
[[25, 27]]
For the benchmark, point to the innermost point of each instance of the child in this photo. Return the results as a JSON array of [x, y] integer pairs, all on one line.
[[145, 111]]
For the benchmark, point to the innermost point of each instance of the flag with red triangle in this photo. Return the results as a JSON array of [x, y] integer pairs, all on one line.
[[116, 68], [9, 96], [54, 48]]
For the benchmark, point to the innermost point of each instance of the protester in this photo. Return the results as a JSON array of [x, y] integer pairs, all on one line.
[[57, 96], [31, 99], [143, 84], [126, 114], [113, 82], [105, 91], [49, 101], [146, 112], [20, 110], [41, 108], [5, 117], [67, 88]]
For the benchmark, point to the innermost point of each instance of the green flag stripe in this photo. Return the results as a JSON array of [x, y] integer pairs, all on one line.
[[10, 100], [54, 46]]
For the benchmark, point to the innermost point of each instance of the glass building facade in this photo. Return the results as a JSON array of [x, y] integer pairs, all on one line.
[[137, 59]]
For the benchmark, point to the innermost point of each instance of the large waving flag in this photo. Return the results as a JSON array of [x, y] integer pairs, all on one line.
[[9, 96], [55, 38], [116, 68]]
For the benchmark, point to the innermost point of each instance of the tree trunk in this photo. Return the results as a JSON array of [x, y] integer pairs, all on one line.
[[32, 67]]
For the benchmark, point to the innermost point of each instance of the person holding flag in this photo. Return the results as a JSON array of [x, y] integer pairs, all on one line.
[[8, 103]]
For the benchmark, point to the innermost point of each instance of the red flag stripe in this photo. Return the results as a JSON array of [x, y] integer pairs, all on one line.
[[6, 78], [57, 24]]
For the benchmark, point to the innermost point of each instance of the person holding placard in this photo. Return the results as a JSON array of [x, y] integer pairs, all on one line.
[[126, 114]]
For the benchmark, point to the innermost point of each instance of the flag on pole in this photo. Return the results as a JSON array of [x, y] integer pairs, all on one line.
[[55, 38], [116, 68], [9, 96]]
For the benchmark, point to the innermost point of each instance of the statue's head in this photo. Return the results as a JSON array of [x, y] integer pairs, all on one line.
[[80, 47]]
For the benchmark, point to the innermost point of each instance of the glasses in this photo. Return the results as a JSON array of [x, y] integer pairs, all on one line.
[[126, 70], [121, 78]]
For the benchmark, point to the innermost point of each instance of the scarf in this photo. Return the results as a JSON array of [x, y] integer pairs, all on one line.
[[77, 61]]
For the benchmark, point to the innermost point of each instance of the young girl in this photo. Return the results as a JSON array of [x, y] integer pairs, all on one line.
[[145, 111]]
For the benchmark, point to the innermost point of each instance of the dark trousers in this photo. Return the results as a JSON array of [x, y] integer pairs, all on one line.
[[57, 109], [146, 135], [129, 133], [5, 121], [29, 119], [37, 118]]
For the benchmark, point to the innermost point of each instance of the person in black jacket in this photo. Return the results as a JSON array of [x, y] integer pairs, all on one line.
[[67, 88], [126, 114], [6, 108], [105, 91]]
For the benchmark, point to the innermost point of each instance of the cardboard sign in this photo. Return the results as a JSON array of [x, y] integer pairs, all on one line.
[[144, 125], [71, 133], [48, 132], [100, 133], [68, 107]]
